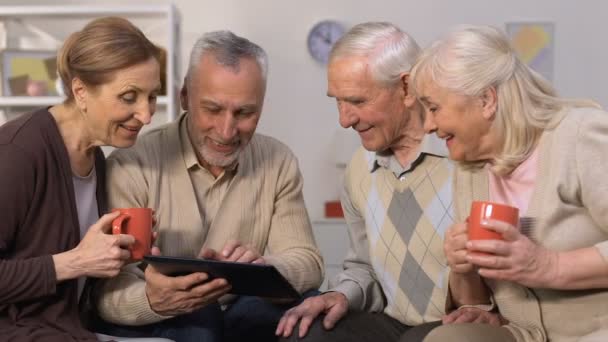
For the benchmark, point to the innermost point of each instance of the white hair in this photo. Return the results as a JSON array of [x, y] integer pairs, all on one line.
[[228, 49], [390, 50], [472, 59]]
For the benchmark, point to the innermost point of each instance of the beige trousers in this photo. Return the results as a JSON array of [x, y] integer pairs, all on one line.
[[469, 332]]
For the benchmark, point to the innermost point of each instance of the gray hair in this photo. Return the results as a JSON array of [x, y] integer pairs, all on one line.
[[472, 59], [228, 49], [391, 51]]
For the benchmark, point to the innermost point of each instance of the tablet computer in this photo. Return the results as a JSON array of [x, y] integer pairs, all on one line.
[[245, 279]]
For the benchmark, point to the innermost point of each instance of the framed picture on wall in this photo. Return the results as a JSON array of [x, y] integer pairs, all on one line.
[[534, 43], [28, 73]]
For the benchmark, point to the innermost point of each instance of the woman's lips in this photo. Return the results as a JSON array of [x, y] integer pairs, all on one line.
[[448, 139], [131, 131]]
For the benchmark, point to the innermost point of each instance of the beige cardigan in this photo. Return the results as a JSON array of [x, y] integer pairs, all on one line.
[[263, 207], [570, 203]]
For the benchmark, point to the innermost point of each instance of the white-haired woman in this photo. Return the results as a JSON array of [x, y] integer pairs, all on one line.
[[518, 143]]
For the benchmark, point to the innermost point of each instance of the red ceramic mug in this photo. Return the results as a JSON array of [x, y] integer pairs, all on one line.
[[482, 210], [138, 223]]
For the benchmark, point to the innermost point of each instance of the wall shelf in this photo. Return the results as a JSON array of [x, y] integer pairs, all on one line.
[[41, 101], [164, 18], [92, 10]]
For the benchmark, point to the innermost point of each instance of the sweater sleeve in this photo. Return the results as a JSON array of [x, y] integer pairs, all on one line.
[[126, 183], [123, 299], [291, 243], [22, 279], [592, 168], [358, 280]]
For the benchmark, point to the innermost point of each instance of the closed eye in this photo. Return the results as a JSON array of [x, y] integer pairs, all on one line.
[[432, 108], [129, 97], [245, 112], [212, 109], [355, 101]]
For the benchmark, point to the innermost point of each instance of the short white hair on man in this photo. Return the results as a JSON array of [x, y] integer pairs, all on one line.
[[470, 60], [391, 51], [228, 49]]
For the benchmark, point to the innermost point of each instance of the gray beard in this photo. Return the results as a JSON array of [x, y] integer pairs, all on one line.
[[216, 159]]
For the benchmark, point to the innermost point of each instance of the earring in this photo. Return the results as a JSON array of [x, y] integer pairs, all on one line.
[[82, 110]]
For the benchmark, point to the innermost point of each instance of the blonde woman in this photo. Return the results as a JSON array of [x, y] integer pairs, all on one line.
[[518, 143], [53, 231]]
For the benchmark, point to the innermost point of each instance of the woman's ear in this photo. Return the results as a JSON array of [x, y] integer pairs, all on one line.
[[408, 98], [79, 89], [489, 103]]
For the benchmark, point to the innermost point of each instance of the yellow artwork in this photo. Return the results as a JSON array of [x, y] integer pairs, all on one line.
[[29, 73], [534, 45]]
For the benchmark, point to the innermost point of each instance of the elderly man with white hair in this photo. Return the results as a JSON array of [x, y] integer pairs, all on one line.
[[397, 202]]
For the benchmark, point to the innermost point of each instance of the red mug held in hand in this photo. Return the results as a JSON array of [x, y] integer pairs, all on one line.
[[482, 210], [138, 223]]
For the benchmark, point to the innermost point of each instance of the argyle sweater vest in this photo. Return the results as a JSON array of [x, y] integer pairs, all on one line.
[[406, 219]]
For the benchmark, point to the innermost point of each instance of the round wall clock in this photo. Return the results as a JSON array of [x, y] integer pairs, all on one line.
[[322, 37]]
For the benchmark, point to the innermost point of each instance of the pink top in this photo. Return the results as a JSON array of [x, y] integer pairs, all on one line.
[[516, 188]]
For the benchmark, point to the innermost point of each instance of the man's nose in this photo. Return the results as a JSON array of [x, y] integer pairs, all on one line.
[[228, 128], [348, 117], [429, 123]]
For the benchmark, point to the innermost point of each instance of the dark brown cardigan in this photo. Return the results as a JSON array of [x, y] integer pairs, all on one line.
[[38, 218]]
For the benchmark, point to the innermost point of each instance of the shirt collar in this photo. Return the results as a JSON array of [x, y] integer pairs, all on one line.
[[430, 145]]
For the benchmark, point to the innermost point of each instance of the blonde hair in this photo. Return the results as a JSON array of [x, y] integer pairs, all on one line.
[[472, 59], [391, 51], [101, 48]]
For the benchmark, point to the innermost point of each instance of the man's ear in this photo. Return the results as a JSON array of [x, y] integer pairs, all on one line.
[[489, 103], [79, 89], [408, 98], [183, 95]]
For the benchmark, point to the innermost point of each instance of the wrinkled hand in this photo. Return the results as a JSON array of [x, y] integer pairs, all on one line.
[[172, 296], [101, 254], [333, 304], [474, 315], [454, 247], [234, 251], [516, 258]]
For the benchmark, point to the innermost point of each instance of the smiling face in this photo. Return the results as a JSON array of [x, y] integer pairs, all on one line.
[[116, 111], [379, 114], [464, 122], [224, 108]]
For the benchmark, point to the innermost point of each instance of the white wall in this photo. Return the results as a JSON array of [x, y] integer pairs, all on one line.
[[297, 110]]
